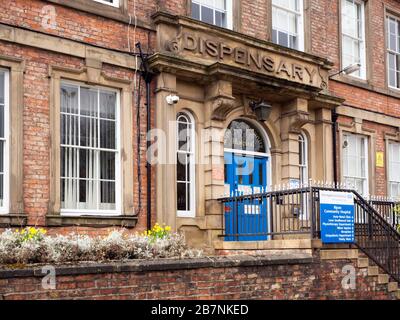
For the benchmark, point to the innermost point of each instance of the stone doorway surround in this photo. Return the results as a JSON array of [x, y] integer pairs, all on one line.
[[216, 73]]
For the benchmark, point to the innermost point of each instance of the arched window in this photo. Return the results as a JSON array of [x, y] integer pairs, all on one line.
[[241, 135], [185, 167], [303, 158]]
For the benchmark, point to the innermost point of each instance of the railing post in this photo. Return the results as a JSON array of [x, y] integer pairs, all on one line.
[[312, 210]]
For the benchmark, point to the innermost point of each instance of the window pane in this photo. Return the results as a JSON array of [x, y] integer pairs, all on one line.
[[107, 134], [283, 39], [392, 61], [89, 102], [2, 121], [84, 185], [2, 87], [181, 196], [220, 5], [69, 129], [1, 156], [219, 19], [181, 167], [292, 23], [281, 21], [1, 189], [183, 139], [274, 36], [207, 15], [107, 104], [69, 99], [107, 165], [89, 132], [107, 195], [195, 11], [188, 196], [392, 78], [293, 42]]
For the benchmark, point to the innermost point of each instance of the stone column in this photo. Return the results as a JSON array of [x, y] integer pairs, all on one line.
[[323, 145], [165, 168], [219, 101]]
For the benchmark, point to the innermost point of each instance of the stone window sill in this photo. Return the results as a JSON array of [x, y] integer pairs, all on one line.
[[13, 220], [91, 221]]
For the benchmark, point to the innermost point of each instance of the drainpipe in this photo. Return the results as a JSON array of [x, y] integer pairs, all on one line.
[[334, 142], [147, 77]]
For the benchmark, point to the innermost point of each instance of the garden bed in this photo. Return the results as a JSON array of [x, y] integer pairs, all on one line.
[[33, 246]]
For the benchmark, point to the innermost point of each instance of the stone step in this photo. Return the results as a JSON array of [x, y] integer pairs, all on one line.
[[363, 262], [373, 271], [383, 278], [362, 254], [393, 286]]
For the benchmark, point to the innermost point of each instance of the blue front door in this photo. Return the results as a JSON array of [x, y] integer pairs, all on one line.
[[245, 220]]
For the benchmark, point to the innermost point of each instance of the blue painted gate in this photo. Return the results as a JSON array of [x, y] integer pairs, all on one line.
[[245, 220]]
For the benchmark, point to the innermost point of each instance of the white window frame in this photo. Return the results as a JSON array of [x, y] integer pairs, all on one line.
[[392, 158], [366, 178], [300, 22], [191, 213], [4, 209], [228, 10], [118, 159], [115, 3], [389, 51], [362, 40], [303, 141]]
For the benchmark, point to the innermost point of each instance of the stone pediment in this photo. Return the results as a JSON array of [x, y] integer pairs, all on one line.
[[203, 46]]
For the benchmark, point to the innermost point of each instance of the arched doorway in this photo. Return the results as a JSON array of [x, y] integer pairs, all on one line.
[[246, 154]]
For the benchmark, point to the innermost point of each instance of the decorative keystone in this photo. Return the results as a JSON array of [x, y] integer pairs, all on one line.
[[363, 262], [373, 271], [383, 278], [393, 286]]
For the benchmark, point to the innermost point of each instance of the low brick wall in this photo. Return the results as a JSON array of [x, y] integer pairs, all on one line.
[[231, 277]]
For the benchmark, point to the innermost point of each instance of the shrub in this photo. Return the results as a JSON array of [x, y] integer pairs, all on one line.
[[32, 245]]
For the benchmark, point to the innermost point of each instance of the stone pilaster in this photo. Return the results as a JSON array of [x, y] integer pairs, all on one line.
[[294, 116], [166, 154], [323, 145], [219, 101]]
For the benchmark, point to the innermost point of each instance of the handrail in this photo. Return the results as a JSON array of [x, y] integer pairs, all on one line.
[[296, 211]]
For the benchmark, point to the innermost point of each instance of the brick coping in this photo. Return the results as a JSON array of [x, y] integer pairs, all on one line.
[[158, 265]]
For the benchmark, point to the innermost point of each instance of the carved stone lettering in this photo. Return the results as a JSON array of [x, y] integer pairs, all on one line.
[[255, 59]]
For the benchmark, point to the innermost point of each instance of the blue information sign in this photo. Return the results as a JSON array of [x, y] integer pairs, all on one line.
[[337, 217]]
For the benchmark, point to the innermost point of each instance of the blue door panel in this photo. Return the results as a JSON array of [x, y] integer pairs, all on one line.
[[246, 220]]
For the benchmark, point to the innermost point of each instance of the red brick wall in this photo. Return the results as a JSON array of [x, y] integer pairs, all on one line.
[[87, 28], [277, 280], [100, 31], [254, 20], [36, 125]]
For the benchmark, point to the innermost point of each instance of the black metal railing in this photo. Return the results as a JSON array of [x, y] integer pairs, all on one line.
[[296, 213], [269, 214], [387, 209]]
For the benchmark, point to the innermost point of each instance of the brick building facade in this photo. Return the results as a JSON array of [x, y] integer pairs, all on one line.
[[283, 52]]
